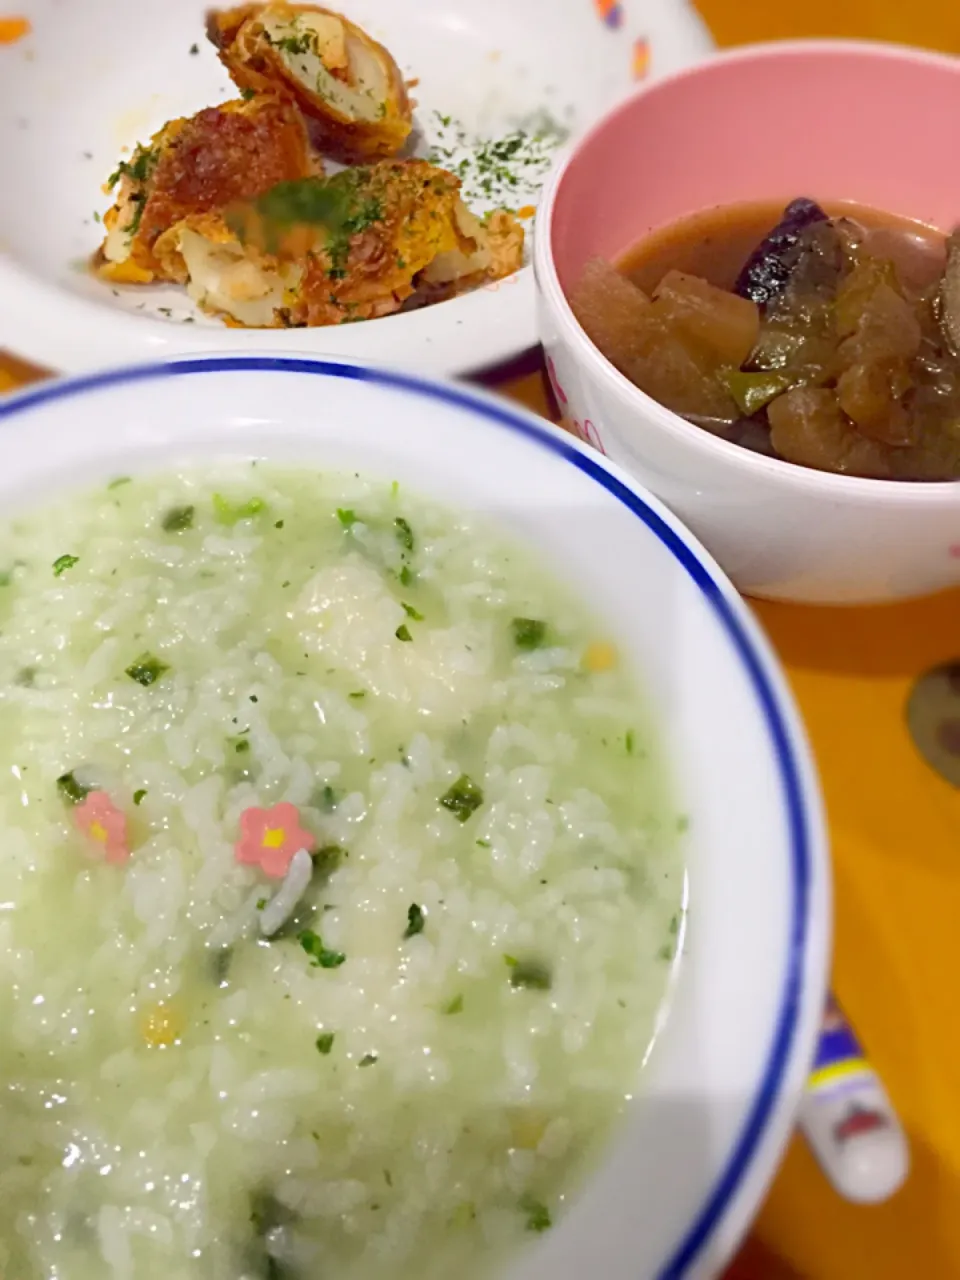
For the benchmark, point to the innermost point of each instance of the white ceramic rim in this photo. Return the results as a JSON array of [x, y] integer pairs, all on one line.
[[750, 1164], [855, 489], [476, 331]]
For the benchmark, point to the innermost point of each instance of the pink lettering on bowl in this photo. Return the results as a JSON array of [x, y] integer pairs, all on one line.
[[591, 435], [558, 391]]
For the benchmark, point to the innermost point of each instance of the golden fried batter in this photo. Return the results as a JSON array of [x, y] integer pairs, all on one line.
[[351, 247], [344, 81], [220, 155]]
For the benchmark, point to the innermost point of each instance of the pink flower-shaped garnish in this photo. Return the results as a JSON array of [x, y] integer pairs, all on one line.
[[270, 837], [100, 819]]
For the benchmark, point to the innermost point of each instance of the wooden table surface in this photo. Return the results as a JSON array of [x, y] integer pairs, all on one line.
[[895, 828]]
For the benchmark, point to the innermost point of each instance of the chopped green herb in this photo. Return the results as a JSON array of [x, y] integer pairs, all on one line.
[[267, 1213], [509, 960], [227, 512], [415, 920], [278, 1270], [25, 677], [178, 519], [411, 612], [628, 742], [454, 1006], [463, 798], [261, 903], [146, 670], [404, 533], [528, 633], [194, 49], [241, 745], [328, 799], [357, 694], [536, 1213], [403, 632], [320, 956], [463, 1214], [278, 525], [327, 859], [340, 206], [484, 844], [138, 200], [120, 480], [139, 168], [325, 1042], [531, 974], [406, 576], [139, 797], [303, 42], [72, 790], [247, 94], [500, 170], [220, 963], [346, 516], [367, 1060], [63, 563]]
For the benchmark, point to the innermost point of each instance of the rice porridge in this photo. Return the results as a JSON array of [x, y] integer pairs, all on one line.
[[338, 890]]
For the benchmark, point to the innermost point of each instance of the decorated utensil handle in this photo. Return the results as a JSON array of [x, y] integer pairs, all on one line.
[[848, 1120]]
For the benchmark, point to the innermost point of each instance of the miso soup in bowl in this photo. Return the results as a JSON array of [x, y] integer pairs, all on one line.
[[383, 887], [763, 312]]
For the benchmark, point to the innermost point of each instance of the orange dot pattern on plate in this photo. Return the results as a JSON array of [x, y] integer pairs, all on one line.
[[610, 13], [640, 60], [13, 29]]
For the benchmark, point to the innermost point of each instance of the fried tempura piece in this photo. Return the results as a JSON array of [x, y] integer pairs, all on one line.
[[248, 288], [222, 154], [499, 253], [327, 251], [344, 81]]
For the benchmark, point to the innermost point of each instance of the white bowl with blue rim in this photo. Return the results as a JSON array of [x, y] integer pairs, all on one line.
[[686, 1172]]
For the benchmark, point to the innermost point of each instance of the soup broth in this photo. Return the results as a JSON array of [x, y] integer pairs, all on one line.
[[825, 337], [715, 243]]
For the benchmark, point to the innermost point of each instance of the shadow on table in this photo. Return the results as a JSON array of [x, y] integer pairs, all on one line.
[[756, 1261]]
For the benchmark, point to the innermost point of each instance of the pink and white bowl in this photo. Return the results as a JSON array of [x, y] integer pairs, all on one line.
[[834, 120]]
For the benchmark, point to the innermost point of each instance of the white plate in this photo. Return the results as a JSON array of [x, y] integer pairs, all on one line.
[[694, 1156], [98, 75]]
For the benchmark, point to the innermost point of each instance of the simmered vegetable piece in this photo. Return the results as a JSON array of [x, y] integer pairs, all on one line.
[[637, 336], [807, 426], [837, 348], [767, 270], [725, 325]]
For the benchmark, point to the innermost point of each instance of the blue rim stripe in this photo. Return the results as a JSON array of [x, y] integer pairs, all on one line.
[[763, 1104]]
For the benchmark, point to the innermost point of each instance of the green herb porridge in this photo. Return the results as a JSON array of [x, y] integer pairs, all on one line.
[[338, 888]]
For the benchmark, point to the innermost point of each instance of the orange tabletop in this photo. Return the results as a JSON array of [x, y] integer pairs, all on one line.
[[895, 828]]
